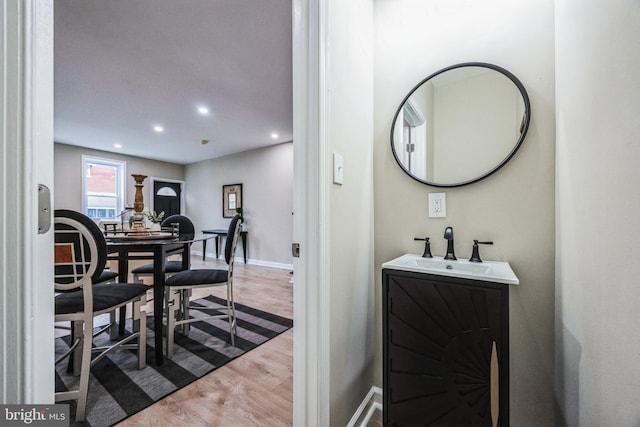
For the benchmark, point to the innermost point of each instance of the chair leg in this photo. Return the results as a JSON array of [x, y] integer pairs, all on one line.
[[184, 314], [169, 299], [76, 358], [140, 326], [231, 312], [113, 330], [171, 307], [87, 341]]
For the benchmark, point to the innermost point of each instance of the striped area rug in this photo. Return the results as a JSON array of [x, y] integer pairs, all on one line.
[[117, 389]]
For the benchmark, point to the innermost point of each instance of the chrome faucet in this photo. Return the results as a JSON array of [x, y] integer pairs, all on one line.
[[448, 234]]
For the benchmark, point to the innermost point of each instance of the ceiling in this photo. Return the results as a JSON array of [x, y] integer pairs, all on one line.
[[125, 66]]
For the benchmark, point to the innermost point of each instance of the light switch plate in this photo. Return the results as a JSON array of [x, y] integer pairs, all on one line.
[[437, 205], [338, 169]]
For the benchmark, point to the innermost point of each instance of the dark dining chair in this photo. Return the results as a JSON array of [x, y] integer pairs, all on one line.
[[107, 276], [179, 286], [80, 254], [185, 226]]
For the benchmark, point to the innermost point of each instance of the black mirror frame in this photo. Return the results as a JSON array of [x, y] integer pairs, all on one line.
[[523, 133]]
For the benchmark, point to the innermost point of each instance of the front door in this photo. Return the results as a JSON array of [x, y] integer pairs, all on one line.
[[167, 197]]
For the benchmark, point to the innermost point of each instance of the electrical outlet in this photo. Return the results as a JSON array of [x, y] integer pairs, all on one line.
[[437, 205]]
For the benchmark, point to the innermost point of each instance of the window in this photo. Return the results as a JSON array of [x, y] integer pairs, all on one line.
[[103, 187]]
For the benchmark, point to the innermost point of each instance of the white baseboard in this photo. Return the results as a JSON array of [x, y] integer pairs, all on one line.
[[239, 259], [266, 263], [363, 414]]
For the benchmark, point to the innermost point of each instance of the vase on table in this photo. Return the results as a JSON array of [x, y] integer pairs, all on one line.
[[138, 204]]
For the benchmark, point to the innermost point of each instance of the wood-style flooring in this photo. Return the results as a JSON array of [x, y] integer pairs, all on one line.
[[254, 390], [376, 419]]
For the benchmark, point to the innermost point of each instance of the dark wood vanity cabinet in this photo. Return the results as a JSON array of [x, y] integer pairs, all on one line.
[[445, 351]]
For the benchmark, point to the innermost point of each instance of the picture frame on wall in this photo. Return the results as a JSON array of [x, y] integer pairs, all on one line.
[[231, 199]]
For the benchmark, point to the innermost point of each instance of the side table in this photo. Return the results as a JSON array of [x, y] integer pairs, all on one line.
[[223, 232]]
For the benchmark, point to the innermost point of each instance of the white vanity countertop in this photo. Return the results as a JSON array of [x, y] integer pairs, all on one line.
[[489, 271]]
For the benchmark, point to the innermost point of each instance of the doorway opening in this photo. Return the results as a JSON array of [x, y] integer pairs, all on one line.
[[167, 196]]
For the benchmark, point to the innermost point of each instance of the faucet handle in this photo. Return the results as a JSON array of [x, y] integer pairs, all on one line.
[[475, 254], [427, 246]]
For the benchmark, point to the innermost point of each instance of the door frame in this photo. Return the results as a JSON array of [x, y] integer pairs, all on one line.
[[311, 352], [34, 151], [152, 181], [26, 270]]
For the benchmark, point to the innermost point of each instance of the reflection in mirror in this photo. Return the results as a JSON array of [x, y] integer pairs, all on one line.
[[460, 124]]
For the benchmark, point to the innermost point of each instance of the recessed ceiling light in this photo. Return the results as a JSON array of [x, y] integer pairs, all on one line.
[[158, 128], [203, 110], [274, 135], [117, 145]]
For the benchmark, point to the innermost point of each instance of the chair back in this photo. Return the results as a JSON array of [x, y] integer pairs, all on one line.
[[80, 252], [184, 223], [232, 239]]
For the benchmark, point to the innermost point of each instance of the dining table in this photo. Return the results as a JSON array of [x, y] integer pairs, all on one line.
[[125, 247]]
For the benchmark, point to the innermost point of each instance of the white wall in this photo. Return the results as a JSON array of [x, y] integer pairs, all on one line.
[[598, 149], [352, 313], [514, 207], [266, 176], [68, 174], [475, 117]]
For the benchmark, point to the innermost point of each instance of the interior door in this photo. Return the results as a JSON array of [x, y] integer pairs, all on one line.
[[167, 197]]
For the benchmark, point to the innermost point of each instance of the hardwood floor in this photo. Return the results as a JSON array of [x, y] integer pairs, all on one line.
[[254, 390], [376, 419]]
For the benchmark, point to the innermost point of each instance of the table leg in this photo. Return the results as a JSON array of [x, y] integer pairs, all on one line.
[[204, 248], [158, 301], [244, 246], [217, 246], [186, 257], [122, 320], [123, 277]]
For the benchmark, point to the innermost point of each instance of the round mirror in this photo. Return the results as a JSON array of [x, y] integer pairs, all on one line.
[[460, 125]]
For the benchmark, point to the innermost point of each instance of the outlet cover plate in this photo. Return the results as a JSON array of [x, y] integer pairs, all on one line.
[[437, 205]]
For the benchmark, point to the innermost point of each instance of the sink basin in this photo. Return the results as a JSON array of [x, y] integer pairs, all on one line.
[[439, 263], [490, 271]]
